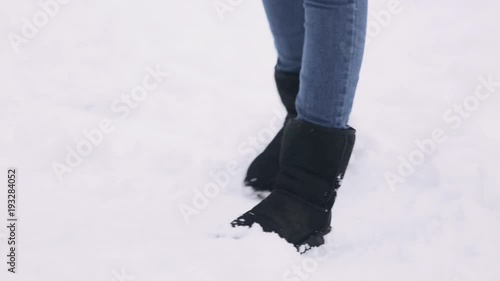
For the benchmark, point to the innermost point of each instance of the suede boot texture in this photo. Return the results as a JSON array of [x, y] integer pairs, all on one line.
[[313, 162], [263, 170]]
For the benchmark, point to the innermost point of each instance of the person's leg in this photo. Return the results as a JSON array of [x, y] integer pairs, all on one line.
[[317, 145], [333, 51], [286, 20]]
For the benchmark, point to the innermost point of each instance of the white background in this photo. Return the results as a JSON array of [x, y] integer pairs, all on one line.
[[119, 209]]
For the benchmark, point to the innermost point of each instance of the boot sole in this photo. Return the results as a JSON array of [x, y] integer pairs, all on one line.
[[315, 240]]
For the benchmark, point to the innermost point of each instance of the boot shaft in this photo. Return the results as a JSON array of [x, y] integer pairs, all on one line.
[[313, 161], [288, 84]]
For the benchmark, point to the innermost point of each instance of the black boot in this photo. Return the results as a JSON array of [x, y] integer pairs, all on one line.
[[262, 172], [313, 162]]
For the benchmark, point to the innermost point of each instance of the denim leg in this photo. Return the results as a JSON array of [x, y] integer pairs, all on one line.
[[333, 50], [286, 19]]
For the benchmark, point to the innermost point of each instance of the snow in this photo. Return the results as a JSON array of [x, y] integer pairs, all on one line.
[[117, 215]]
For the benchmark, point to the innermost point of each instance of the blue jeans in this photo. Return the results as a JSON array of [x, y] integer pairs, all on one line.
[[324, 41]]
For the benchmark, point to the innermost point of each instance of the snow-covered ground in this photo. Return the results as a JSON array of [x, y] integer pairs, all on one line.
[[163, 176]]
